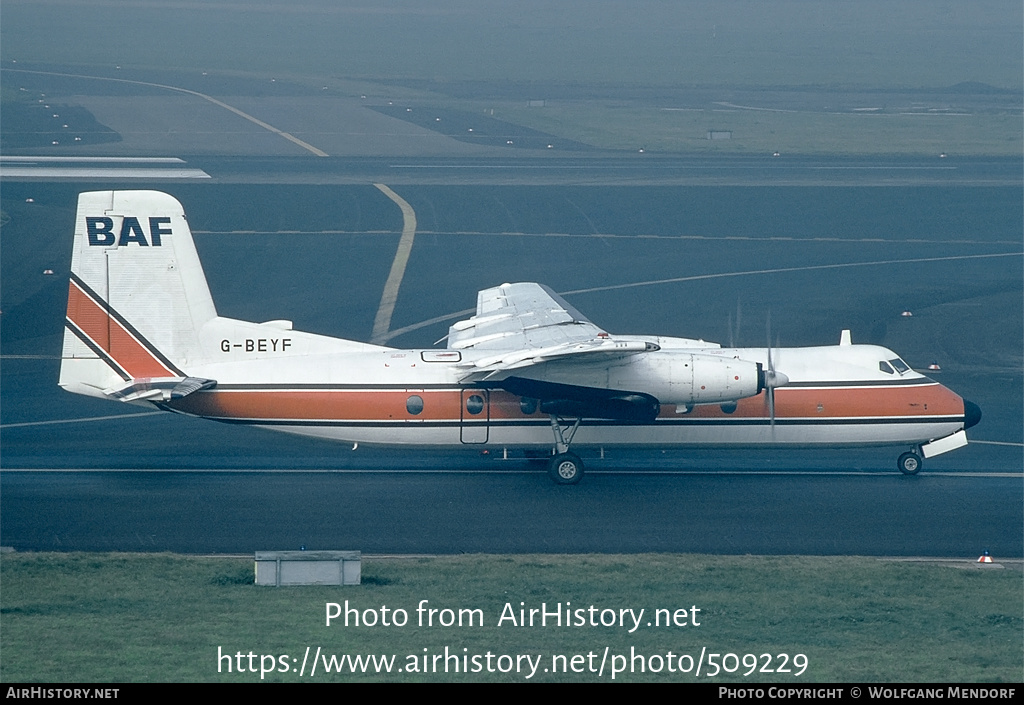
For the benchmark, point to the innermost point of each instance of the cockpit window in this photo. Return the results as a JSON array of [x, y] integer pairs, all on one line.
[[885, 367], [900, 366]]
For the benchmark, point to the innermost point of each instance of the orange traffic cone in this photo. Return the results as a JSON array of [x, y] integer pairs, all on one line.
[[985, 558]]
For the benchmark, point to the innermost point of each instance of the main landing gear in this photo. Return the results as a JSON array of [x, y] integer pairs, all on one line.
[[909, 463], [565, 468]]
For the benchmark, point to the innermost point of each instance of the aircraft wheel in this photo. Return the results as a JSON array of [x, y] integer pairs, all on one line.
[[566, 469], [909, 463]]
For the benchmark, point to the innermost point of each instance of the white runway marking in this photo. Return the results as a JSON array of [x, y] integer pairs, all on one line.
[[702, 277], [652, 167], [99, 160], [751, 107], [64, 172], [98, 168], [81, 420], [781, 270], [642, 236]]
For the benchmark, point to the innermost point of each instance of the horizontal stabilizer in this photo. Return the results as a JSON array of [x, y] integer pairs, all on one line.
[[159, 388]]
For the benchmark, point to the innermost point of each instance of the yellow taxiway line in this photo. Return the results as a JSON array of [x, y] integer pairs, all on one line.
[[382, 322]]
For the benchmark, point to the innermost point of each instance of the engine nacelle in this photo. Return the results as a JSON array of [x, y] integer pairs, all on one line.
[[687, 378]]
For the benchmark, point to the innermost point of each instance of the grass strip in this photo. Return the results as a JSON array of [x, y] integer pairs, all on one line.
[[631, 128], [163, 617]]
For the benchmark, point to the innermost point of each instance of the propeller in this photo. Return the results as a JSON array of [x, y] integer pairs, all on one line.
[[772, 377]]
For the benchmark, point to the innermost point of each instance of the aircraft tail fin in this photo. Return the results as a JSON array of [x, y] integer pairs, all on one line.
[[137, 298]]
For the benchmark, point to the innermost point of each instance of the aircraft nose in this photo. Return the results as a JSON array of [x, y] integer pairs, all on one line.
[[972, 414]]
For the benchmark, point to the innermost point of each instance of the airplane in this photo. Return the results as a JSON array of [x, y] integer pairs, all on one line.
[[526, 371]]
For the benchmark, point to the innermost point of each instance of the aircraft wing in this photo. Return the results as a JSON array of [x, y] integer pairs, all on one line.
[[520, 316], [527, 324]]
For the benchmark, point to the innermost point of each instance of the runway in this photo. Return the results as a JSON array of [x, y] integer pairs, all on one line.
[[696, 247], [515, 511], [616, 169]]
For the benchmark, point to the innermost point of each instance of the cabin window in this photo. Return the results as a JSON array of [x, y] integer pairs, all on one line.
[[900, 366], [528, 406], [414, 404], [475, 404], [885, 367]]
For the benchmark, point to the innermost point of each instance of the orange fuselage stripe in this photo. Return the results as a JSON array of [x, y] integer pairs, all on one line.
[[446, 405], [849, 402]]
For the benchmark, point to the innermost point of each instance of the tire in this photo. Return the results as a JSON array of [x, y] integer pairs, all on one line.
[[909, 463], [566, 469]]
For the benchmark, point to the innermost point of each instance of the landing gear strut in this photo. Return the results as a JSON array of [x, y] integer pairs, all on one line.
[[565, 468], [909, 463]]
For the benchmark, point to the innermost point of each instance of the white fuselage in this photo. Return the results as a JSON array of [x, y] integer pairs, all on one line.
[[141, 327], [836, 395]]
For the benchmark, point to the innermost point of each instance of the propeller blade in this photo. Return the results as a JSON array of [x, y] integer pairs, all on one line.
[[772, 377]]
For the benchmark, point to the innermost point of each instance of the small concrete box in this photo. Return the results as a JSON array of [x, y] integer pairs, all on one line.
[[308, 567]]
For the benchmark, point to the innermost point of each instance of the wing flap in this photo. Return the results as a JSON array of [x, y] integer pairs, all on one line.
[[518, 317], [488, 367], [528, 324]]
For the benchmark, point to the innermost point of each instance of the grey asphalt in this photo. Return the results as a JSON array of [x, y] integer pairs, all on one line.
[[514, 511], [573, 237], [696, 246]]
